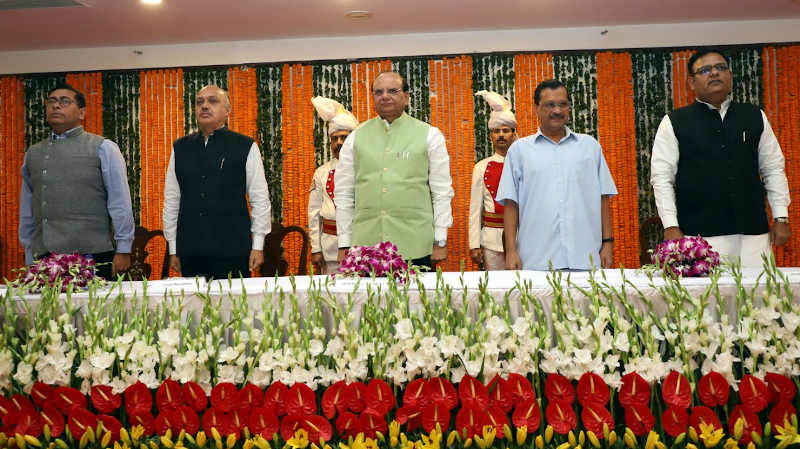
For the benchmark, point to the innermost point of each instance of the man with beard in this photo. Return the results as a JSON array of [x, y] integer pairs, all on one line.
[[485, 214], [210, 176], [75, 195], [393, 180], [321, 207], [555, 190], [712, 163]]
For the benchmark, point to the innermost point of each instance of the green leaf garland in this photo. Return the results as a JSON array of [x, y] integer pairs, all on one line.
[[336, 82], [269, 133], [578, 72]]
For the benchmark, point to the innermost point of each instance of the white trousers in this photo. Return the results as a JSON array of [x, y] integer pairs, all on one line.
[[494, 260], [749, 248]]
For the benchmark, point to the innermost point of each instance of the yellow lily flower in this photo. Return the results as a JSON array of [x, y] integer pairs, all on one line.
[[299, 440], [522, 435], [593, 439], [710, 435]]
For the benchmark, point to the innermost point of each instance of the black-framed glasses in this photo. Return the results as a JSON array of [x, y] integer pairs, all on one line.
[[392, 92], [63, 101], [706, 69]]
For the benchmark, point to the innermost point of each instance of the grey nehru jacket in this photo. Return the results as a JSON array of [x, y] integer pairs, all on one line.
[[69, 197]]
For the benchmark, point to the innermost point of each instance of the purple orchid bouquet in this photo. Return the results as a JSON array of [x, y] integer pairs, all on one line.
[[66, 269], [382, 259], [687, 257]]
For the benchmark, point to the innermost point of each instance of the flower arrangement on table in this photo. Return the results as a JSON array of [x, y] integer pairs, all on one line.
[[62, 270], [390, 375], [381, 260], [687, 257]]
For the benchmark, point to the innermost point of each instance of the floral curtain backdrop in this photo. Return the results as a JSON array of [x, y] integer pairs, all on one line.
[[763, 75]]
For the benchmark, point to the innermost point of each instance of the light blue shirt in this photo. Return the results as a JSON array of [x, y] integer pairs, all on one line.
[[115, 178], [558, 189]]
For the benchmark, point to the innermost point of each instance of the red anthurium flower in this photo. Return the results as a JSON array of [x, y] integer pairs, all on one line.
[[406, 413], [675, 420], [753, 393], [333, 399], [301, 400], [676, 391], [112, 425], [414, 396], [239, 418], [250, 396], [188, 418], [144, 419], [355, 397], [594, 416], [780, 388], [29, 423], [703, 414], [317, 427], [194, 396], [289, 425], [635, 390], [781, 413], [104, 400], [561, 416], [215, 418], [79, 420], [53, 418], [379, 397], [41, 393], [528, 414], [8, 411], [558, 388], [67, 398], [348, 425], [498, 418], [520, 388], [414, 422], [168, 420], [274, 398], [137, 399], [592, 390], [223, 396], [440, 390], [473, 393], [639, 419], [499, 394], [437, 412], [169, 395], [713, 389], [751, 423], [371, 423], [471, 419], [264, 422]]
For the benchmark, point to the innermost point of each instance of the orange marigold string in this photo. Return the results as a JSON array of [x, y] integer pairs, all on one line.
[[12, 153], [529, 71]]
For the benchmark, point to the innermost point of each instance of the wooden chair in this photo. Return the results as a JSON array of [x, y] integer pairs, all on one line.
[[274, 260], [139, 269], [651, 232]]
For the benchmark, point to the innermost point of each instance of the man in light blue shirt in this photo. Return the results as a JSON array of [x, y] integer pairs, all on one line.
[[555, 189]]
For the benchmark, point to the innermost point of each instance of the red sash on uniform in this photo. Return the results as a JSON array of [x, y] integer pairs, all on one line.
[[491, 178]]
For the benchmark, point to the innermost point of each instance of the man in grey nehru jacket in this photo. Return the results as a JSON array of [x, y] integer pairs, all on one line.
[[75, 195]]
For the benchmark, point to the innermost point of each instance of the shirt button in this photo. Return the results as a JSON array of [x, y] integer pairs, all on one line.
[[384, 190], [202, 195], [44, 172], [45, 220], [387, 149], [47, 156], [385, 168], [383, 212], [44, 203]]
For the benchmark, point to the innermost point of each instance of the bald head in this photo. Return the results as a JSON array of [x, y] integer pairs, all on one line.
[[211, 108]]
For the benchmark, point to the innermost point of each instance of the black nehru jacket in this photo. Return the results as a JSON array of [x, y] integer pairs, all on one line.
[[718, 187], [213, 219]]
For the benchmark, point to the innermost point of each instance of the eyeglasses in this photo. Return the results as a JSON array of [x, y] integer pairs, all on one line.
[[392, 92], [63, 101], [550, 105], [706, 69]]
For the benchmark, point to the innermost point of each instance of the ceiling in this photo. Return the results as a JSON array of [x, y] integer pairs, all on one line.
[[103, 23]]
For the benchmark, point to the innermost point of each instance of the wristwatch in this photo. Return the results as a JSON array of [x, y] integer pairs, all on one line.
[[440, 243], [781, 220]]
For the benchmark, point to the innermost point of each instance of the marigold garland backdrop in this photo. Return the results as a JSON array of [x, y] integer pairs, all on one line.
[[619, 97]]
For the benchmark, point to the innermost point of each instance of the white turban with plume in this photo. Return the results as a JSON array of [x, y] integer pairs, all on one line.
[[338, 118], [501, 110]]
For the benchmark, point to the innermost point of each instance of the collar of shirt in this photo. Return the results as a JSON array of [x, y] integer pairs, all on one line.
[[205, 138], [66, 134], [568, 134], [723, 107]]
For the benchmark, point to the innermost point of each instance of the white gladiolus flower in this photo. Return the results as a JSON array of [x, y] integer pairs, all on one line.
[[496, 327], [24, 375], [404, 329], [315, 347], [102, 360]]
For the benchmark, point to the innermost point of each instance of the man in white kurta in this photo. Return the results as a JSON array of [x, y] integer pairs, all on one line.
[[485, 214], [321, 205]]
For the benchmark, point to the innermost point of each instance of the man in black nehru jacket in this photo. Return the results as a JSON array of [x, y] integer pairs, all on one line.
[[713, 162], [210, 176]]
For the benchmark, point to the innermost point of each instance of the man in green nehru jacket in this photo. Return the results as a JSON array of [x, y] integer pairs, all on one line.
[[393, 180]]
